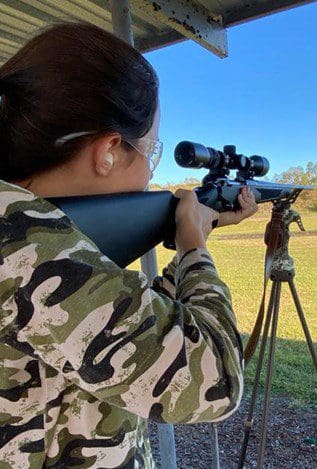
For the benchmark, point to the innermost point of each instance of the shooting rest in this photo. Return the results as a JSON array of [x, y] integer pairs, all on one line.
[[279, 267]]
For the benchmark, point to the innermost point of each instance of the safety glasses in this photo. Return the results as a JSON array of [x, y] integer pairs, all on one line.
[[151, 149]]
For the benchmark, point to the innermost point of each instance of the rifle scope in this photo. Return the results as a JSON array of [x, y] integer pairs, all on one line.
[[195, 155]]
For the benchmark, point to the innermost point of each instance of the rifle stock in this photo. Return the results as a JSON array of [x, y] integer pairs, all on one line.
[[125, 226]]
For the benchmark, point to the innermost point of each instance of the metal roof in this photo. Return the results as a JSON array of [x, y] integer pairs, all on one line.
[[155, 24]]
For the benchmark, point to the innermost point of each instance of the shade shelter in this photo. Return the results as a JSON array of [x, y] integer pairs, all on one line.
[[154, 24], [148, 25]]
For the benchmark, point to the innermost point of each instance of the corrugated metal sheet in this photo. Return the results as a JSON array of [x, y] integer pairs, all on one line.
[[21, 19]]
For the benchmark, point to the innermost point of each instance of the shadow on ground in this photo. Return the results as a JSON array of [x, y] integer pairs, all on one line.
[[291, 441]]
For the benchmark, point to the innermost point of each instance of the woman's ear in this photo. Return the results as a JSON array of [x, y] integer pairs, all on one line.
[[103, 154], [104, 165]]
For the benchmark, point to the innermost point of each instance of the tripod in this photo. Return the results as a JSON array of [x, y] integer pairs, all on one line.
[[279, 267]]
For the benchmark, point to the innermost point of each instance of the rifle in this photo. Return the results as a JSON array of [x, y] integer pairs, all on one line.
[[125, 226]]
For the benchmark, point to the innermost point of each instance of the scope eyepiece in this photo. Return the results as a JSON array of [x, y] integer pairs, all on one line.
[[195, 155]]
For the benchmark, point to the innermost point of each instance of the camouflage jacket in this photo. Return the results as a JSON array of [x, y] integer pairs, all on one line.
[[89, 351]]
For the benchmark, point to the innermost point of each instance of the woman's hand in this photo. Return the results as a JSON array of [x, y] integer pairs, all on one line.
[[193, 221], [248, 208]]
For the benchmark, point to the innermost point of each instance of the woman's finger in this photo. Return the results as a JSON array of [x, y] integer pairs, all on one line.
[[180, 193], [248, 206], [245, 192], [250, 194], [243, 203]]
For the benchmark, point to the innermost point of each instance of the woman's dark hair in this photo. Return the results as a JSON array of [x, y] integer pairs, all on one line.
[[70, 78]]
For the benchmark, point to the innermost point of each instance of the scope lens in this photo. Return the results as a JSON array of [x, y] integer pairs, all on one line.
[[185, 154], [191, 155], [259, 165]]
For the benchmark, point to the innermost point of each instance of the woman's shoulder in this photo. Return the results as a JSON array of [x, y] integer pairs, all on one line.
[[11, 194], [26, 219], [14, 198]]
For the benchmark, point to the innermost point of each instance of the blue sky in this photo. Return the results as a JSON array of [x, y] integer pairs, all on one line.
[[262, 98]]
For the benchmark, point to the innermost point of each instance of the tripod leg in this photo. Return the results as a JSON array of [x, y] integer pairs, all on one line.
[[303, 322], [249, 421], [268, 382]]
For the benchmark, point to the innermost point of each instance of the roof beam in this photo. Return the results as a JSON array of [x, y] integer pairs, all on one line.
[[254, 10], [154, 42], [190, 19]]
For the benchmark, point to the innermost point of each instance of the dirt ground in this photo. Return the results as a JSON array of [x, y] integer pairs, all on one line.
[[291, 439]]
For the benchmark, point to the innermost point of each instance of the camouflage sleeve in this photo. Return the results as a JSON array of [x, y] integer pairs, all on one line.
[[166, 282], [105, 329]]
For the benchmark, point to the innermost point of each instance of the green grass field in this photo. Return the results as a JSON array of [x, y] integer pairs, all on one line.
[[239, 261]]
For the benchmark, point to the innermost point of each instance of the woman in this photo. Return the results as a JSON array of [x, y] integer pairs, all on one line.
[[89, 350]]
